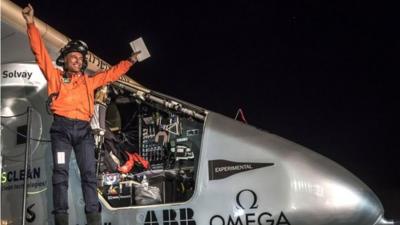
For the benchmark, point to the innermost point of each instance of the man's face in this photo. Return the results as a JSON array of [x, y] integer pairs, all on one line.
[[73, 62]]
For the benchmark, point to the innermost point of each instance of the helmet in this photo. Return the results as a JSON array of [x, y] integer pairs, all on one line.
[[73, 46]]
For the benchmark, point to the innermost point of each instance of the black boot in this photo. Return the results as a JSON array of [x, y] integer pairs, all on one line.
[[93, 218], [61, 219]]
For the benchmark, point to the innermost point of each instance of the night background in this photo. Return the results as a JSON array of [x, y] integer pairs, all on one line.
[[319, 73]]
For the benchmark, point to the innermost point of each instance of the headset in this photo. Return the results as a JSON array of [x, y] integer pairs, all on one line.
[[73, 46]]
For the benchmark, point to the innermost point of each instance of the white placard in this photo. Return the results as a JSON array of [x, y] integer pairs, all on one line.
[[138, 45], [60, 157]]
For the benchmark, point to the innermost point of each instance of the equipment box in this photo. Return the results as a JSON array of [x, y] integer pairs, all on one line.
[[122, 196]]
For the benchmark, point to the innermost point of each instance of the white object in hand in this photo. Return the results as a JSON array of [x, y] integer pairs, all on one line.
[[138, 45]]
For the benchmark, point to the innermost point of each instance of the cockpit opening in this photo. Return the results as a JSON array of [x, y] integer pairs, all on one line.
[[147, 153]]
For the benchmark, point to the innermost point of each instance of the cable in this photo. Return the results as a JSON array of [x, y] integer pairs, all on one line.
[[18, 133], [22, 135], [6, 117], [36, 192], [133, 117]]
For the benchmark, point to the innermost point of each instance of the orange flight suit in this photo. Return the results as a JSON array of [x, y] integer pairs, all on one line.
[[75, 98]]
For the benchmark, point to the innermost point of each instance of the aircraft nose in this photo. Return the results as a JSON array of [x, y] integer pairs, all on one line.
[[332, 201], [383, 221], [305, 186], [328, 193]]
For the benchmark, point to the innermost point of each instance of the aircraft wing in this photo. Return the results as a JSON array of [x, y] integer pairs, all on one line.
[[15, 47]]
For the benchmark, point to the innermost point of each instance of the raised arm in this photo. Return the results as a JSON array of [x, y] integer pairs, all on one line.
[[115, 72], [38, 48], [27, 13]]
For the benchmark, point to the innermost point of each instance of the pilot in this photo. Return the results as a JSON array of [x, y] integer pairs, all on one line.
[[72, 93]]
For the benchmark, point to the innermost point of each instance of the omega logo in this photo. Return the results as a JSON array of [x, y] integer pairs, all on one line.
[[254, 202], [246, 201]]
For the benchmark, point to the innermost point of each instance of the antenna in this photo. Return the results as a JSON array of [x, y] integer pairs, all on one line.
[[241, 114]]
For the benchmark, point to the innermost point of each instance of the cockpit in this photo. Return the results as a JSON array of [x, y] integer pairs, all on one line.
[[147, 148]]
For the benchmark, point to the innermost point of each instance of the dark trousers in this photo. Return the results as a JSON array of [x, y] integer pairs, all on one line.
[[67, 134]]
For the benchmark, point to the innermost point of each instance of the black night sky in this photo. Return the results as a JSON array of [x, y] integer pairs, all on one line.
[[319, 73]]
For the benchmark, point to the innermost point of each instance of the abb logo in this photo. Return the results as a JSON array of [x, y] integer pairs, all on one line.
[[171, 217]]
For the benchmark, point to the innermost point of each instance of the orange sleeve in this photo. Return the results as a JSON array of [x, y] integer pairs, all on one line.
[[112, 74], [41, 54]]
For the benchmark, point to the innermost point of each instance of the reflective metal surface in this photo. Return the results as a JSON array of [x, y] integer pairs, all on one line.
[[307, 187]]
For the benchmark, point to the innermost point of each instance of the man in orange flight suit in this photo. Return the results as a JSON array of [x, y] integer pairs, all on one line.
[[72, 94]]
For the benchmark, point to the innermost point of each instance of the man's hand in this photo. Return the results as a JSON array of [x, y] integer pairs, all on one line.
[[134, 56], [27, 13]]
